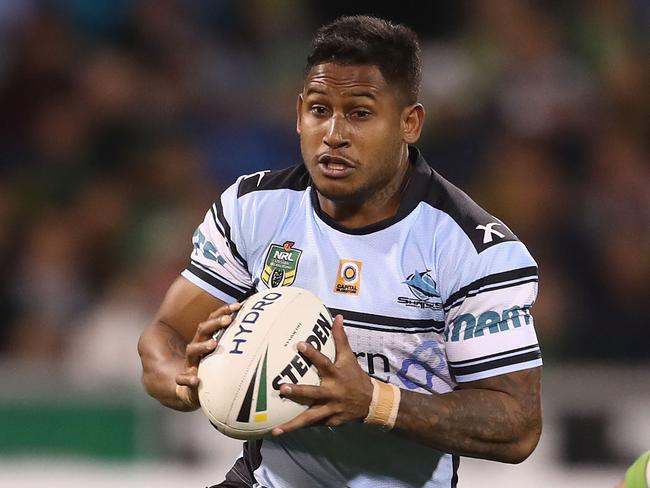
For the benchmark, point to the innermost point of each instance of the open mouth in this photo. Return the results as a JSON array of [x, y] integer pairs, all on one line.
[[335, 166]]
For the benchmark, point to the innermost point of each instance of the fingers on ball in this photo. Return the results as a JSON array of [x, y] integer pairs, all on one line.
[[210, 326], [225, 310]]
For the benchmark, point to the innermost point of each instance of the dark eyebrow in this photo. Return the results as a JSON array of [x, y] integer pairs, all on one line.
[[367, 94], [358, 94]]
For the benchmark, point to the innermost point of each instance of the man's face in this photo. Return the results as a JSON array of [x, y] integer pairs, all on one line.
[[351, 137]]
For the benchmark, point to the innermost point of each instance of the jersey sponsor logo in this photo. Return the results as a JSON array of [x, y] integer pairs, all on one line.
[[281, 265], [373, 362], [206, 248], [468, 326], [348, 278], [488, 232], [422, 365], [424, 292]]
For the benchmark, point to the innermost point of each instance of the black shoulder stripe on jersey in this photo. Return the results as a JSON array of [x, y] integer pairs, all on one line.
[[292, 178], [398, 330], [496, 363], [457, 364], [216, 275], [211, 280], [389, 324], [483, 229], [217, 224], [493, 279], [226, 227], [485, 289]]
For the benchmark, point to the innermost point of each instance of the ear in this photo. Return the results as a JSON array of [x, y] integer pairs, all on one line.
[[298, 112], [412, 122]]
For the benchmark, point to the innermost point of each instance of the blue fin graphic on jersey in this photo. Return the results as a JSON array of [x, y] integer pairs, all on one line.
[[423, 283]]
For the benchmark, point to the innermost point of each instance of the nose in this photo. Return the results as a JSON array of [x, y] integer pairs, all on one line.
[[336, 135]]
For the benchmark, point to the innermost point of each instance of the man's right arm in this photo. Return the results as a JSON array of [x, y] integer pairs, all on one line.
[[171, 347]]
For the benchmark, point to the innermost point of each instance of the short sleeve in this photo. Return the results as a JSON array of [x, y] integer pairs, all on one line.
[[489, 328], [218, 264]]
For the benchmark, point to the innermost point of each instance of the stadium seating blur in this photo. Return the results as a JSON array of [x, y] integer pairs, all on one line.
[[121, 121]]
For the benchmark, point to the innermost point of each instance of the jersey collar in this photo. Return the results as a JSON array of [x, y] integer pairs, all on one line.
[[413, 194]]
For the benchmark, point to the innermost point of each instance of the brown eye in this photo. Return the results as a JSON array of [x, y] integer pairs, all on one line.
[[361, 114], [318, 110]]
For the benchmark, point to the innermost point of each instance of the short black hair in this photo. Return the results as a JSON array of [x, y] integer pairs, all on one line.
[[366, 40]]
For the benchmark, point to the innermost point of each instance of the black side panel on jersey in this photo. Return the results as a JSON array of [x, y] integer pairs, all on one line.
[[455, 463], [483, 229], [293, 178]]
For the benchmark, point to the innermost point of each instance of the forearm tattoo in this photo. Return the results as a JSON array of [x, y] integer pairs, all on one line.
[[489, 419], [175, 344]]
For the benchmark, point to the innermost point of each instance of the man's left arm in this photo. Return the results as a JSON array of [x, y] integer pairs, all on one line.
[[497, 418]]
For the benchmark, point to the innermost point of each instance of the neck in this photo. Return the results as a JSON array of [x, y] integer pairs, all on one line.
[[378, 206]]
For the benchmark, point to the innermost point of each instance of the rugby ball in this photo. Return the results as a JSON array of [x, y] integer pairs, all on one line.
[[240, 380]]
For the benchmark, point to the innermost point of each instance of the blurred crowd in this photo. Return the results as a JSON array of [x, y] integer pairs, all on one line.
[[121, 121]]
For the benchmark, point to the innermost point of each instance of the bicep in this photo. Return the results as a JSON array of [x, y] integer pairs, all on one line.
[[186, 305]]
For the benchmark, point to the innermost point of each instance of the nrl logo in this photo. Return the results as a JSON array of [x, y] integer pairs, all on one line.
[[281, 265]]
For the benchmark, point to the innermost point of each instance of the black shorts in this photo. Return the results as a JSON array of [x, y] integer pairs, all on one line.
[[241, 473]]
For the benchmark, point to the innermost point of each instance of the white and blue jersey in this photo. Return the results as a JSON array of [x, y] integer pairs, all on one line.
[[437, 295]]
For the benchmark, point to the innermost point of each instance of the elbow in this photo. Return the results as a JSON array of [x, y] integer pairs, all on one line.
[[525, 446], [143, 348], [142, 351], [518, 454], [145, 358]]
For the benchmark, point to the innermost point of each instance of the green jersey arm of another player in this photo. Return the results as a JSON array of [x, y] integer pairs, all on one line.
[[496, 418], [171, 347]]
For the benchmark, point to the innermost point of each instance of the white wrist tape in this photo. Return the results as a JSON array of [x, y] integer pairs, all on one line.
[[384, 404], [183, 394]]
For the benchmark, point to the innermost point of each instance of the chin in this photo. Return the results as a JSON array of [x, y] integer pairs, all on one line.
[[332, 190], [336, 190], [339, 193]]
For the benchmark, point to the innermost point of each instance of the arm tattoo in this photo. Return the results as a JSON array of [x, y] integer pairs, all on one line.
[[496, 418], [175, 344]]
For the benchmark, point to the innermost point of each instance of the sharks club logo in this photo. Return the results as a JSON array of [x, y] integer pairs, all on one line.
[[424, 293]]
